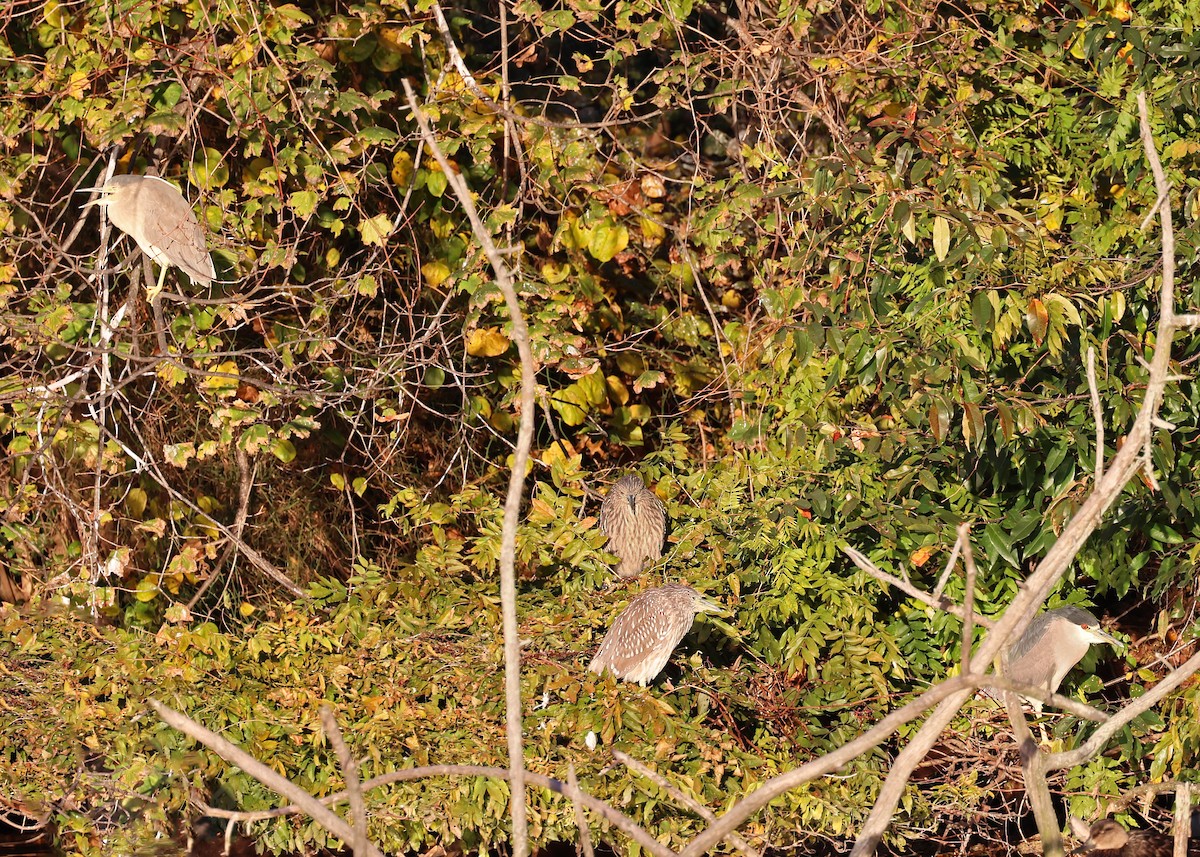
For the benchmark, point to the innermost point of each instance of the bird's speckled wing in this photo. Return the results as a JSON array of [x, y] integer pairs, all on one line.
[[642, 638]]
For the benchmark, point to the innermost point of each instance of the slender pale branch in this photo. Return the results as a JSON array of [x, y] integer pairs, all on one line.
[[516, 483], [614, 817], [233, 754], [1097, 411], [940, 602], [358, 807]]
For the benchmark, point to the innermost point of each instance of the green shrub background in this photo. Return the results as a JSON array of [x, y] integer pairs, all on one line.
[[825, 274]]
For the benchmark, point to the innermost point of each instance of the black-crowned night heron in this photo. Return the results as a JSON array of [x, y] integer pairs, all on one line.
[[635, 520], [1052, 644], [641, 640], [1107, 838], [155, 214]]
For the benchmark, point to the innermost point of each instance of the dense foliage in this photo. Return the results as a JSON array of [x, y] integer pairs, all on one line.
[[825, 274]]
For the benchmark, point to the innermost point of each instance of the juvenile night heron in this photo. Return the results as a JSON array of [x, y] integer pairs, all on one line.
[[641, 640], [155, 214], [1107, 838], [635, 520], [1052, 644]]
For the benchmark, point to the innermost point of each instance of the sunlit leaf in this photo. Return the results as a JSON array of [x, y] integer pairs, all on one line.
[[487, 342]]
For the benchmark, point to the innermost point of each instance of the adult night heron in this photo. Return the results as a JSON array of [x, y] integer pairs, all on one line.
[[1107, 838], [635, 520], [641, 640], [155, 214], [1052, 644]]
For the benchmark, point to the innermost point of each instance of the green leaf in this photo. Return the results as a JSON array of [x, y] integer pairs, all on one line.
[[303, 202], [608, 239], [283, 449]]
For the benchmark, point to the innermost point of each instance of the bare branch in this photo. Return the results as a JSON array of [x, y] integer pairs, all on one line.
[[907, 588], [1182, 822], [683, 799], [1033, 770], [949, 569], [585, 838], [358, 807], [612, 816], [968, 633], [1097, 413], [516, 482], [281, 785]]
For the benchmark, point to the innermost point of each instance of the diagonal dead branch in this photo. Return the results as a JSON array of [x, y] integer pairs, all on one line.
[[358, 807], [614, 817], [585, 837], [683, 799], [940, 602], [269, 778]]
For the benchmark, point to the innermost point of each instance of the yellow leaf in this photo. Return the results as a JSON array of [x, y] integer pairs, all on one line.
[[435, 273], [487, 342], [941, 238], [608, 239], [558, 452], [617, 390], [375, 230], [652, 231], [246, 608], [224, 381], [402, 167], [554, 273]]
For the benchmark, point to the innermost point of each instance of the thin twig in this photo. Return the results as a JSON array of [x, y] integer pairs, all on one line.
[[358, 807], [968, 633], [942, 603], [516, 482], [265, 775], [1097, 413], [245, 485], [948, 570], [680, 797], [585, 836]]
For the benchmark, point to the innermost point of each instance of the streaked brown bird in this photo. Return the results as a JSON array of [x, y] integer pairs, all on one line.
[[1107, 838], [1051, 646], [635, 521], [156, 215], [641, 640]]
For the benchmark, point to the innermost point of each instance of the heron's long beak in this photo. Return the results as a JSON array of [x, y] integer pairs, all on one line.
[[703, 605], [103, 190], [1101, 636]]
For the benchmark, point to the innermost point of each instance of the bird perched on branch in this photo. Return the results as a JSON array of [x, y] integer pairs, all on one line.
[[1052, 644], [641, 640], [635, 521], [156, 215], [1107, 838]]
